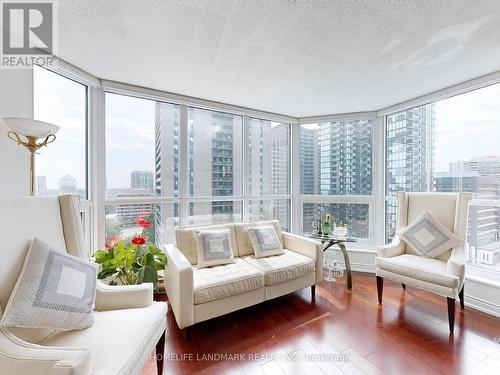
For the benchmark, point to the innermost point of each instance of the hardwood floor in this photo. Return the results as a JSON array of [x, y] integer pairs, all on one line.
[[343, 332]]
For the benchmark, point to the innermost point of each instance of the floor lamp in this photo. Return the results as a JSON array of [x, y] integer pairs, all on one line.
[[32, 131]]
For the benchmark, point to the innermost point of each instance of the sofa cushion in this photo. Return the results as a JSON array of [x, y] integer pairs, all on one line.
[[280, 268], [185, 239], [421, 268], [224, 281], [214, 247], [243, 239], [110, 354], [265, 241]]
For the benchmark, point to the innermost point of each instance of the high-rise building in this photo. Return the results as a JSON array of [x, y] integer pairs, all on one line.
[[141, 180], [67, 185], [269, 169], [410, 142], [484, 221], [214, 144], [41, 185], [337, 159], [166, 183]]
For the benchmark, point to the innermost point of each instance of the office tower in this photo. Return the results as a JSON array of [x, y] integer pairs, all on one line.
[[166, 183], [484, 221], [141, 180], [41, 185], [214, 142], [336, 159], [409, 155], [67, 185], [269, 169]]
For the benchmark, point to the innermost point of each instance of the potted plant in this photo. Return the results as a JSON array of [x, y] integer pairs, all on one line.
[[131, 262]]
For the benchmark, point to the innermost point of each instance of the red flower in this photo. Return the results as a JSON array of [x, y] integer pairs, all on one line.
[[108, 246], [138, 241], [144, 223]]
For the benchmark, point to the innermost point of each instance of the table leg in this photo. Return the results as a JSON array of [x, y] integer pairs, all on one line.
[[347, 265]]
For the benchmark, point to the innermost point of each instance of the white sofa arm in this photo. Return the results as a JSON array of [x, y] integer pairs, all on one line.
[[395, 248], [116, 297], [308, 247], [21, 357], [456, 263], [179, 286]]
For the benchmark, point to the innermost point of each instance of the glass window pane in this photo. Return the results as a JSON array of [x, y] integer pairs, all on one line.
[[209, 213], [268, 157], [336, 158], [354, 215], [269, 210], [214, 153], [121, 221], [142, 147], [63, 102]]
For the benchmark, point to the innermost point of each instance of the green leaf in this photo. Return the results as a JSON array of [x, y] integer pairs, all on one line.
[[105, 273], [149, 273], [102, 256]]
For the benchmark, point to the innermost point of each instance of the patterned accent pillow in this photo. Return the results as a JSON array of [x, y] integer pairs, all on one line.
[[265, 241], [214, 247], [54, 290], [428, 237]]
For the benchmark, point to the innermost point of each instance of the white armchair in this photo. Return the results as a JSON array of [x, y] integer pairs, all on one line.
[[106, 347], [443, 275]]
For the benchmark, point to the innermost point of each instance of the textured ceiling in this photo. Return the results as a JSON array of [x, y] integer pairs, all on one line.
[[297, 58]]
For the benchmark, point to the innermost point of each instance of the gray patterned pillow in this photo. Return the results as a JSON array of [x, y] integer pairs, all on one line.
[[54, 290], [214, 247], [265, 241], [428, 237]]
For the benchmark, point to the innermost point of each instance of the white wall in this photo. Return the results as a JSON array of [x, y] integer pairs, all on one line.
[[16, 100]]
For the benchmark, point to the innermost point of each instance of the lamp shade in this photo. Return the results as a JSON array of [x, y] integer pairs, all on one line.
[[30, 128]]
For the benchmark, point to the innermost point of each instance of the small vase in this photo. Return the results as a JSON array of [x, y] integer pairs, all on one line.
[[326, 228]]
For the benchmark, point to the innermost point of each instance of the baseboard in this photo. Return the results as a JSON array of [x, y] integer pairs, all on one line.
[[483, 306]]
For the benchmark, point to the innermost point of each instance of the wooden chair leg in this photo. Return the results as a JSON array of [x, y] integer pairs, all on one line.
[[313, 292], [404, 286], [461, 297], [451, 313], [380, 288], [188, 333], [160, 354]]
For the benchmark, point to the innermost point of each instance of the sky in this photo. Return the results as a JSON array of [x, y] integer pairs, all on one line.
[[467, 126]]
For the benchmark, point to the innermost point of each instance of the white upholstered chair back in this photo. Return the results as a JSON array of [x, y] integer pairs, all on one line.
[[450, 209], [55, 220]]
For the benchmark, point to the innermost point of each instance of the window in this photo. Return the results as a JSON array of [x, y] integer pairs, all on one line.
[[451, 146], [63, 102], [142, 167], [336, 173], [336, 158], [215, 156], [268, 165], [355, 215]]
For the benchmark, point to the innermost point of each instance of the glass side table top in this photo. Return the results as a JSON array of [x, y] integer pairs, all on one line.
[[330, 237]]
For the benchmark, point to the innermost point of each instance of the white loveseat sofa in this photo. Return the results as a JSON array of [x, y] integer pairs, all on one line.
[[128, 324], [196, 294]]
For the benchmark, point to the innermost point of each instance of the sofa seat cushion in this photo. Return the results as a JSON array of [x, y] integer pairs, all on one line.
[[225, 280], [109, 354], [421, 268], [281, 268]]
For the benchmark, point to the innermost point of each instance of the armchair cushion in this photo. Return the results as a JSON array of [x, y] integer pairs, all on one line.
[[425, 269], [224, 281], [285, 267], [119, 341], [428, 237], [54, 290]]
